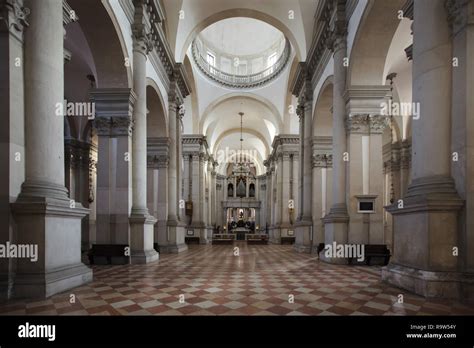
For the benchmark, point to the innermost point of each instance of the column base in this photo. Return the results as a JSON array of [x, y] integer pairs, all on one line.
[[175, 241], [141, 238], [452, 285], [425, 232], [335, 230], [274, 236], [303, 229], [199, 229], [44, 285], [52, 226], [208, 232]]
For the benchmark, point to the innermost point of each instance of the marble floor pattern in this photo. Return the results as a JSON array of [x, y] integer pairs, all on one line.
[[215, 282]]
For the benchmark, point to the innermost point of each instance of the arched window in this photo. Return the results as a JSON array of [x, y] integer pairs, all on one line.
[[230, 190], [252, 190]]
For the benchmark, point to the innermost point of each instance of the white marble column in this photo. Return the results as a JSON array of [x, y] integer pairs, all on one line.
[[213, 195], [268, 202], [304, 225], [162, 206], [113, 125], [279, 191], [141, 222], [202, 198], [186, 178], [336, 222], [429, 218], [295, 190], [43, 212], [196, 194], [179, 163], [176, 231]]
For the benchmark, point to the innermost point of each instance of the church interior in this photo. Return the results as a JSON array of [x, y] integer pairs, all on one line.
[[237, 157]]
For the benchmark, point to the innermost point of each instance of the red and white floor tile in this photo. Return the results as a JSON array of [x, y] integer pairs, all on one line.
[[212, 281]]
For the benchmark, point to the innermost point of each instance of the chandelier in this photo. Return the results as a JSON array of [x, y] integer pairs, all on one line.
[[242, 167]]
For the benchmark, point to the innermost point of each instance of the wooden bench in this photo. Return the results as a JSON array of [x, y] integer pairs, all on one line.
[[108, 254], [192, 240], [375, 250], [287, 240], [223, 239], [256, 239]]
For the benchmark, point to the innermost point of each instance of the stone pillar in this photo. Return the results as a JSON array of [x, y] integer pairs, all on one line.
[[157, 149], [461, 20], [113, 125], [279, 191], [285, 217], [12, 143], [295, 185], [176, 231], [202, 198], [364, 179], [161, 231], [186, 178], [141, 222], [43, 212], [196, 224], [405, 158], [304, 225], [213, 195], [321, 162], [335, 223], [426, 228], [268, 189], [179, 164]]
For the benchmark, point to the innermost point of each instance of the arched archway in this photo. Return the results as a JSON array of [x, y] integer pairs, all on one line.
[[372, 42], [322, 117], [298, 45], [273, 111], [157, 120]]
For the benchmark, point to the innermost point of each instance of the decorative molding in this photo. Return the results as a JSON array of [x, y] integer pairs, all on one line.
[[407, 9], [113, 102], [367, 124], [323, 160], [68, 15], [459, 14], [113, 126], [241, 81], [13, 17], [147, 20]]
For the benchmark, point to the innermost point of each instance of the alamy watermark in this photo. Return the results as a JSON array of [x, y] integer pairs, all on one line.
[[78, 109], [21, 251], [335, 250], [228, 155], [400, 109]]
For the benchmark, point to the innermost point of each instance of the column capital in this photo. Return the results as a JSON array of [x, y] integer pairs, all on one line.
[[144, 36], [367, 124], [336, 36], [458, 14], [300, 111], [14, 17], [113, 126], [322, 160], [157, 161], [142, 44]]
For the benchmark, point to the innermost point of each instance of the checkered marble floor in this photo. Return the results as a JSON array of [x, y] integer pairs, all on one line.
[[210, 280]]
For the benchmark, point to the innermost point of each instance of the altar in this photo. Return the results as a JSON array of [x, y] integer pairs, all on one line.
[[241, 232]]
